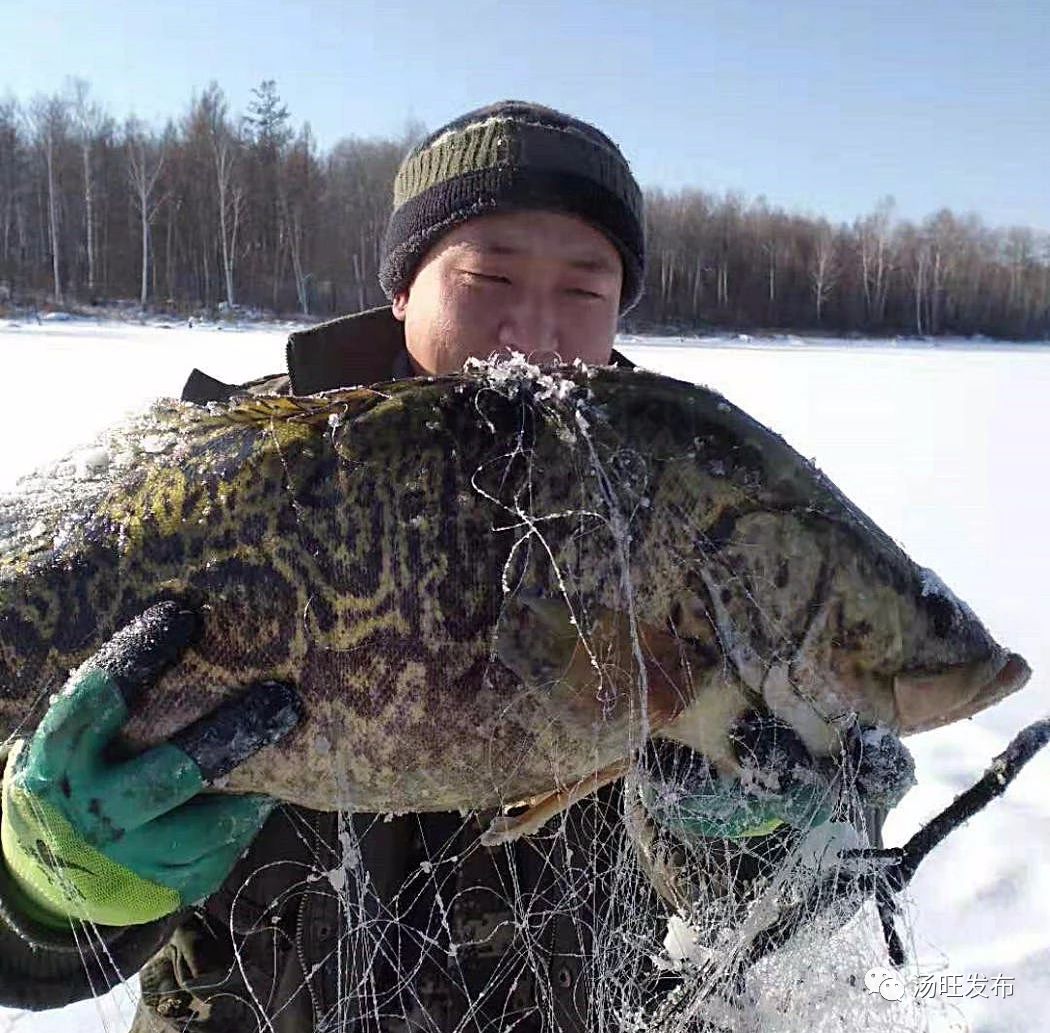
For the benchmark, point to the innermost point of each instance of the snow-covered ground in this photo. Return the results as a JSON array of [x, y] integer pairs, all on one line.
[[944, 446]]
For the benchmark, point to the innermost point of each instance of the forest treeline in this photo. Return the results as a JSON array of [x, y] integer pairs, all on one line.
[[215, 209]]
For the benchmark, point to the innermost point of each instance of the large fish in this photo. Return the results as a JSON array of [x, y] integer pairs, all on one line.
[[488, 586]]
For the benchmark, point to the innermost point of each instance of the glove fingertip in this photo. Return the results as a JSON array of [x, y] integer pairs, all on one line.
[[240, 727], [140, 652]]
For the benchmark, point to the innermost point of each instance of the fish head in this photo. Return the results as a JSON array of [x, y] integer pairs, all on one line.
[[827, 624], [779, 591], [885, 641], [949, 666]]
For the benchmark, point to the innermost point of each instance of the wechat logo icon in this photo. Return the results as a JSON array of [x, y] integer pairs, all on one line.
[[884, 982]]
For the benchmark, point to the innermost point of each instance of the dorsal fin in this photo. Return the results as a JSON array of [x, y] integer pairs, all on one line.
[[256, 409]]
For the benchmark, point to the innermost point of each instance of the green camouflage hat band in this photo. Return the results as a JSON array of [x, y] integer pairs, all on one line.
[[513, 156]]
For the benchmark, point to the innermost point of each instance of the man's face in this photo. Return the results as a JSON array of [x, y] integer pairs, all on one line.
[[541, 283]]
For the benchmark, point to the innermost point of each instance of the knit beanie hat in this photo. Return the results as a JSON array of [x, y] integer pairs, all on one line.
[[513, 156]]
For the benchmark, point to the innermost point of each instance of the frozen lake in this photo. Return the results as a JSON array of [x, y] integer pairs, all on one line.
[[945, 447]]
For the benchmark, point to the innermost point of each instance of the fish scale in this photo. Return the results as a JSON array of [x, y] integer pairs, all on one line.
[[487, 586]]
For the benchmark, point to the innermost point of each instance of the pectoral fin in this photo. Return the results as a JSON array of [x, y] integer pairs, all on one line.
[[507, 827]]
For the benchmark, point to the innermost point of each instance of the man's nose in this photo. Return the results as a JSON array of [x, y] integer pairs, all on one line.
[[529, 325]]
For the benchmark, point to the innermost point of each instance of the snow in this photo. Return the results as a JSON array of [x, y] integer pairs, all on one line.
[[941, 443]]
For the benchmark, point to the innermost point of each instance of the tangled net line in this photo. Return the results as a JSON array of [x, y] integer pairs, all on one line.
[[692, 935]]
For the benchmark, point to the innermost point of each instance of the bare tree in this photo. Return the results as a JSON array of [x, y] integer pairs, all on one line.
[[231, 201], [1019, 252], [145, 161], [12, 189], [360, 176], [259, 215], [728, 222], [49, 119], [298, 198], [196, 194], [874, 236], [915, 249], [771, 248], [90, 121], [823, 268], [945, 236], [267, 136]]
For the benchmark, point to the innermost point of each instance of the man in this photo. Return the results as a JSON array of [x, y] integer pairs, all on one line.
[[514, 228]]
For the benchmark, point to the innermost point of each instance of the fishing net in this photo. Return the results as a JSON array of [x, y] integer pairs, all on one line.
[[629, 929], [655, 932], [611, 916]]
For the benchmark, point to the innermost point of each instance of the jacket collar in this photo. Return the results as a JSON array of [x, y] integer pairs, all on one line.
[[360, 349]]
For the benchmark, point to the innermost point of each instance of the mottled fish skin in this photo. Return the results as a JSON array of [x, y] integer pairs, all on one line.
[[442, 567]]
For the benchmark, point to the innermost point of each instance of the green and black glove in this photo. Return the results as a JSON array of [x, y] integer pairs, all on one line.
[[123, 842], [784, 785]]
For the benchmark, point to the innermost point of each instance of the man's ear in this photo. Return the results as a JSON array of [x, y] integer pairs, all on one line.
[[399, 305]]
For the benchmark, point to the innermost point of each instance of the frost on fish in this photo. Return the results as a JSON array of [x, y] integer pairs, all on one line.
[[45, 506], [934, 588], [486, 586]]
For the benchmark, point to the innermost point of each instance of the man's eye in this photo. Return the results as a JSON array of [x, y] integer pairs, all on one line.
[[580, 292], [486, 277]]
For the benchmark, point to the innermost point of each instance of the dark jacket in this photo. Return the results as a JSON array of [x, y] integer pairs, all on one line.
[[315, 953], [427, 931]]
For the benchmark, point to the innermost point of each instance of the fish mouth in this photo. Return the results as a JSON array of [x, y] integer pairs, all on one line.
[[924, 700]]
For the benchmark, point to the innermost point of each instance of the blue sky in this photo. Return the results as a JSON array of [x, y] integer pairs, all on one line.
[[822, 107]]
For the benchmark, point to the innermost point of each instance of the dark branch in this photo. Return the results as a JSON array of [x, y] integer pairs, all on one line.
[[1001, 772], [882, 874], [889, 871]]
